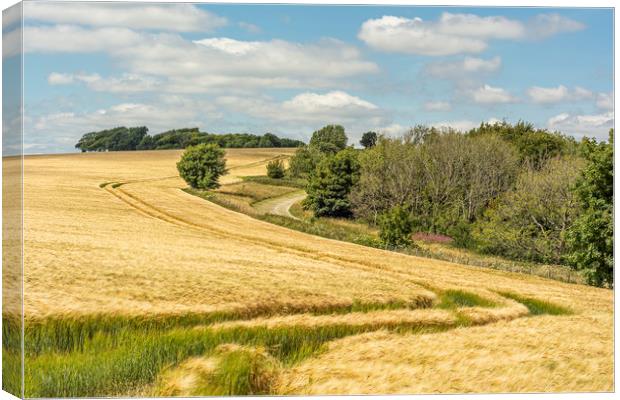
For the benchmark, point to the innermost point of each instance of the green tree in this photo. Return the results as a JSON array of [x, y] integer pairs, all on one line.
[[329, 140], [269, 140], [304, 161], [330, 184], [202, 165], [396, 227], [532, 220], [369, 139], [275, 169], [535, 146], [591, 238]]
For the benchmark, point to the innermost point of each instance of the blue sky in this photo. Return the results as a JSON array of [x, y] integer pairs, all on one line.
[[292, 69]]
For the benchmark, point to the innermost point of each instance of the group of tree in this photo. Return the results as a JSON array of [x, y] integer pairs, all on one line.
[[510, 190], [122, 138]]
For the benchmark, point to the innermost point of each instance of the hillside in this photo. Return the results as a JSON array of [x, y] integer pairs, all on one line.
[[113, 244]]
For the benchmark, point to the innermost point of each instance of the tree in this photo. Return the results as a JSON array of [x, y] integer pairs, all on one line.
[[304, 161], [396, 227], [275, 169], [444, 178], [532, 220], [122, 138], [591, 238], [202, 165], [329, 140], [535, 146], [269, 140], [369, 139], [330, 184]]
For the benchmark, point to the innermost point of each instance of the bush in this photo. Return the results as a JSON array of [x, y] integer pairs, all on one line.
[[396, 227], [330, 184], [275, 169], [202, 165]]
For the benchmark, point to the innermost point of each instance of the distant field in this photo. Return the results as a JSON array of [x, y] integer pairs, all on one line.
[[133, 286]]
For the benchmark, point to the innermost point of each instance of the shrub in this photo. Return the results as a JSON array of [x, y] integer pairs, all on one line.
[[396, 227], [275, 169], [202, 165]]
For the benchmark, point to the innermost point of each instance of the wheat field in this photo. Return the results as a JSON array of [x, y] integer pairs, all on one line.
[[113, 237]]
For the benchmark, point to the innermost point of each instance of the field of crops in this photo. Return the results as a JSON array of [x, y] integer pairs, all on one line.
[[134, 286]]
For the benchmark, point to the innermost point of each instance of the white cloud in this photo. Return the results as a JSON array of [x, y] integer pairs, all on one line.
[[456, 33], [491, 95], [493, 27], [126, 83], [466, 66], [591, 125], [12, 43], [544, 95], [462, 125], [545, 25], [211, 63], [605, 101], [56, 78], [392, 130], [170, 17], [230, 46], [331, 107], [75, 39], [437, 106], [250, 27], [414, 36]]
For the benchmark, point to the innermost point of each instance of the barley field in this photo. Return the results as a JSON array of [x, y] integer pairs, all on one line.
[[134, 286]]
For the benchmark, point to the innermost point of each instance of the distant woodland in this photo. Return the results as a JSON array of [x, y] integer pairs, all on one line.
[[137, 138]]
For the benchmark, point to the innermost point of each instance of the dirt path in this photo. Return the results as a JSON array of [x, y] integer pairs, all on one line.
[[280, 205]]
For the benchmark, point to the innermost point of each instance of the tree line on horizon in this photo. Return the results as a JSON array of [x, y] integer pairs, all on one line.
[[137, 138]]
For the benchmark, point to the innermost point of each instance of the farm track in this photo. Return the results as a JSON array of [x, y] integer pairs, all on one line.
[[280, 205]]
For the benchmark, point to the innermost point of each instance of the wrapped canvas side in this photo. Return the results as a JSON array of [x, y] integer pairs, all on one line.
[[12, 202]]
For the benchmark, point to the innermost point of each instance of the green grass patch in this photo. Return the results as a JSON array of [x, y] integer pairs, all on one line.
[[233, 370], [68, 334], [298, 183], [538, 307], [255, 191], [453, 299], [101, 369]]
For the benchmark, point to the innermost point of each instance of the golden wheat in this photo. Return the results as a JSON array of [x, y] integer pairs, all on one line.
[[140, 245]]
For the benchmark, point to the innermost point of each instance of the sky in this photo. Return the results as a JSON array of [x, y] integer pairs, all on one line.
[[291, 69]]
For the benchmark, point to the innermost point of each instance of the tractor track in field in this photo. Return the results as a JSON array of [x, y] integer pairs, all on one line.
[[281, 207], [152, 211]]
